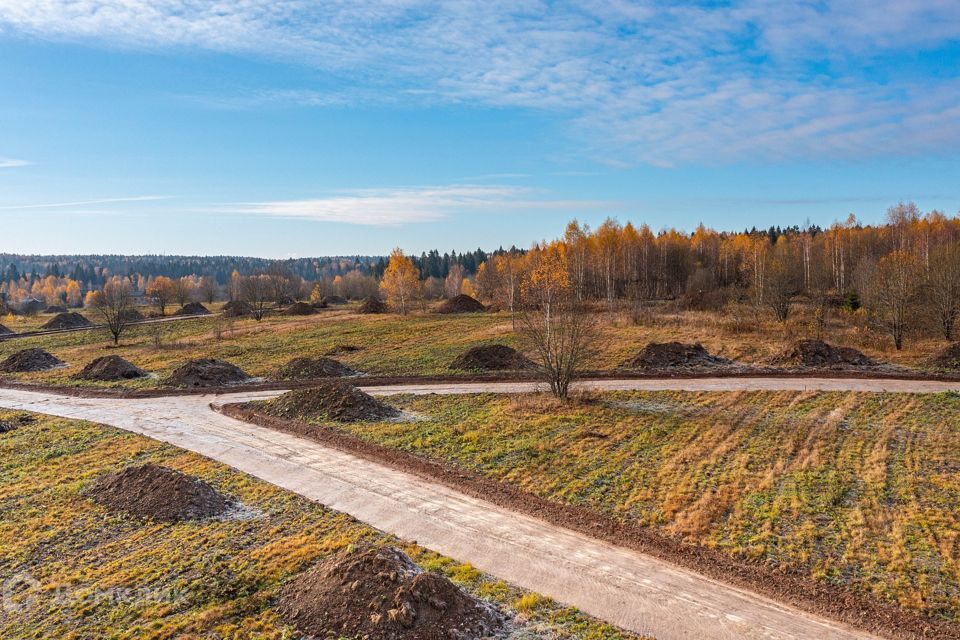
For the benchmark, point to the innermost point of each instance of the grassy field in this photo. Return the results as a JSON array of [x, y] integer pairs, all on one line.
[[420, 344], [855, 489], [94, 574]]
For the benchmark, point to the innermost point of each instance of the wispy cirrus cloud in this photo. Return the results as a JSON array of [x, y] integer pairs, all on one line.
[[82, 203], [9, 163], [652, 81], [400, 206]]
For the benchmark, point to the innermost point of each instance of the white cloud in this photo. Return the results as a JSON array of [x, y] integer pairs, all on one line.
[[394, 207], [9, 163], [80, 203], [650, 81]]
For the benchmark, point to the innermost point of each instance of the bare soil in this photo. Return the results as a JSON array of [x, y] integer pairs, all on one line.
[[206, 372], [949, 358], [67, 320], [817, 353], [372, 305], [30, 360], [111, 368], [340, 349], [333, 400], [55, 308], [491, 357], [299, 309], [192, 309], [461, 304], [308, 368], [830, 600], [158, 493], [236, 309], [4, 331], [666, 355], [7, 427], [371, 592], [328, 300], [132, 315]]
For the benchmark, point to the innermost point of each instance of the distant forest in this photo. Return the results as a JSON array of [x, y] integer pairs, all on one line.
[[92, 271]]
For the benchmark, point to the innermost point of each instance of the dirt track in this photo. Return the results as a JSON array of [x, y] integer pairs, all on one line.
[[627, 588]]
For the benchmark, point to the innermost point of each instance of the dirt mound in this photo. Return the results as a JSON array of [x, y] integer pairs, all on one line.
[[817, 353], [328, 300], [340, 349], [949, 358], [67, 320], [206, 372], [30, 360], [461, 304], [299, 309], [55, 308], [662, 355], [306, 368], [159, 493], [192, 309], [237, 308], [109, 368], [132, 315], [7, 427], [372, 305], [491, 357], [374, 592], [5, 331], [333, 400]]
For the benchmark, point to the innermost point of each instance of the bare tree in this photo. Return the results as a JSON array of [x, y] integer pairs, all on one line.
[[114, 303], [782, 280], [554, 322], [943, 290], [257, 291], [207, 288], [183, 290], [894, 292]]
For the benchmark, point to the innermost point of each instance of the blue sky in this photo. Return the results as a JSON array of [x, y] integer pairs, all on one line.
[[316, 128]]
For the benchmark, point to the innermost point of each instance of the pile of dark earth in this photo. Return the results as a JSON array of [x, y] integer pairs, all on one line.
[[67, 320], [299, 309], [206, 372], [30, 360], [371, 592], [491, 357], [192, 309], [308, 368], [111, 368], [4, 331], [948, 358], [158, 493], [236, 309], [372, 305], [328, 300], [330, 400], [667, 355], [341, 349], [817, 353], [461, 304]]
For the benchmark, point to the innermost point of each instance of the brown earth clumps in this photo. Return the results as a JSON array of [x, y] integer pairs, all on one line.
[[491, 357], [340, 349], [30, 360], [328, 300], [299, 309], [461, 304], [67, 320], [237, 308], [817, 353], [4, 331], [666, 355], [192, 309], [307, 368], [206, 372], [111, 368], [372, 305], [132, 315], [948, 358], [372, 592], [158, 493], [7, 427], [330, 400]]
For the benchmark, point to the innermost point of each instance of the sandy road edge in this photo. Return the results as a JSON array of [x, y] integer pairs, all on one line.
[[828, 601]]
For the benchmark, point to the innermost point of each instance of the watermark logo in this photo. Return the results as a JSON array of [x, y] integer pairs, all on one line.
[[22, 591]]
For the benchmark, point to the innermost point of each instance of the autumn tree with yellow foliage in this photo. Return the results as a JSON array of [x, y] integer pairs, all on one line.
[[401, 282]]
